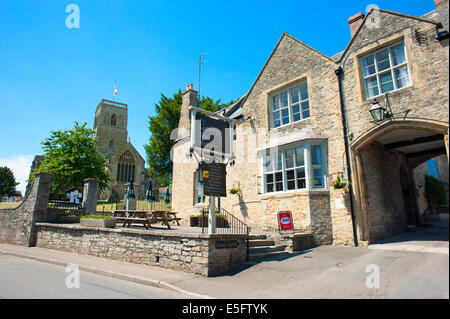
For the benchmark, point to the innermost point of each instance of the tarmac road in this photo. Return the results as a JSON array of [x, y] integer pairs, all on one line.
[[411, 265]]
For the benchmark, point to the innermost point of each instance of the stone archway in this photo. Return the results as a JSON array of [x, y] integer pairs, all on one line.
[[382, 159]]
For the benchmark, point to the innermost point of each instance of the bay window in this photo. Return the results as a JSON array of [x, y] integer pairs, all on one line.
[[295, 166]]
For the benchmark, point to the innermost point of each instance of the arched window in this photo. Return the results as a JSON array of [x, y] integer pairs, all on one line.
[[126, 167], [113, 120]]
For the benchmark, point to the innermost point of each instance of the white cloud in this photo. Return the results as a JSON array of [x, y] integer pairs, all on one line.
[[20, 165]]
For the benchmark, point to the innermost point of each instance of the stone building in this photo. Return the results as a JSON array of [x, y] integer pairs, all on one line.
[[110, 129], [306, 120]]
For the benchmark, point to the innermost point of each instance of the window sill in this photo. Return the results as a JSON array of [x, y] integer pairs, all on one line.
[[289, 124], [295, 192], [383, 94]]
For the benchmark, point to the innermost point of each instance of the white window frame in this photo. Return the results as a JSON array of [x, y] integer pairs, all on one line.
[[307, 166], [289, 107], [391, 69]]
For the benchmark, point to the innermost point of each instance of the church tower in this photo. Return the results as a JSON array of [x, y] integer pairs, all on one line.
[[110, 126]]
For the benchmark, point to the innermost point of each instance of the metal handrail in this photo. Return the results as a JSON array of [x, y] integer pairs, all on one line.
[[232, 225]]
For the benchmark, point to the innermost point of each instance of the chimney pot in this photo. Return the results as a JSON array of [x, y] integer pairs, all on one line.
[[355, 22], [190, 87]]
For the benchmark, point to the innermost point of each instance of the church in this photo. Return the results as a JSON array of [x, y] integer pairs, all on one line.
[[110, 131]]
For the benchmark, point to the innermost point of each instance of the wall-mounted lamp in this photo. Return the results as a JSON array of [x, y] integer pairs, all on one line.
[[379, 112]]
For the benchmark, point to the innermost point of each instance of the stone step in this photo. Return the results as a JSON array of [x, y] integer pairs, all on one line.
[[256, 236], [267, 255], [265, 249], [260, 242]]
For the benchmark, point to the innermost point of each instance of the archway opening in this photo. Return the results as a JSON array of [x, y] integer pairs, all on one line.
[[387, 187]]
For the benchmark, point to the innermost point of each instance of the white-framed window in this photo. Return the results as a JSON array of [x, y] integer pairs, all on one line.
[[295, 166], [198, 197], [385, 70], [289, 105]]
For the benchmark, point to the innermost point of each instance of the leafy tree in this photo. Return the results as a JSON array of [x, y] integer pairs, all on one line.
[[160, 126], [72, 156], [434, 192], [7, 182]]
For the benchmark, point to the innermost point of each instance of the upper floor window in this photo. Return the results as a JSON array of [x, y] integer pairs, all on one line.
[[113, 120], [298, 166], [289, 105], [385, 70]]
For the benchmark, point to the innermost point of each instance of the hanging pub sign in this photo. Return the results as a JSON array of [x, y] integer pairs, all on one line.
[[214, 179], [285, 222]]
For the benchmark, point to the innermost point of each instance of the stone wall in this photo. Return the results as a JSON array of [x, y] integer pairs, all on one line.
[[386, 209], [203, 254], [17, 226]]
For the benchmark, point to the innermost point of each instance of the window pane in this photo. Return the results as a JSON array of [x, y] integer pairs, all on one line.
[[304, 91], [285, 115], [279, 181], [275, 102], [305, 114], [291, 184], [294, 95], [289, 158], [402, 77], [296, 109], [296, 117], [368, 65], [316, 155], [299, 161], [290, 175], [269, 188], [383, 60], [386, 82], [276, 119], [301, 183], [398, 55], [279, 163], [317, 177], [284, 99], [269, 178], [371, 86], [268, 163], [305, 109]]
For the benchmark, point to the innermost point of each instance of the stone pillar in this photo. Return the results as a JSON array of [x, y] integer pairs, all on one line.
[[90, 193], [35, 205], [40, 196]]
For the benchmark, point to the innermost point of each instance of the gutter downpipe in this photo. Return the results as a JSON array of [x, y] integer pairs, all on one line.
[[339, 73]]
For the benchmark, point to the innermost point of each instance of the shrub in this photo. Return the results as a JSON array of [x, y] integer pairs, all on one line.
[[434, 190], [98, 216]]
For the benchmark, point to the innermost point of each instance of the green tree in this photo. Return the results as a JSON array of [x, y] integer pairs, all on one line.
[[7, 182], [161, 125], [72, 156]]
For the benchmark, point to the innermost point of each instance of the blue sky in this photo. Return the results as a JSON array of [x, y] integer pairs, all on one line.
[[51, 76]]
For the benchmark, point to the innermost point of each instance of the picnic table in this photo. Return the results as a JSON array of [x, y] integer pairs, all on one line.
[[145, 217]]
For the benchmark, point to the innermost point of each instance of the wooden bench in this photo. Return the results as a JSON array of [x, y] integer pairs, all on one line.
[[132, 217]]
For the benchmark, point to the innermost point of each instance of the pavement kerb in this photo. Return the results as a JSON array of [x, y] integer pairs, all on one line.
[[112, 274]]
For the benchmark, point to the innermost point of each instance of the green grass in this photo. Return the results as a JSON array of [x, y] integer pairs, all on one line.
[[9, 205]]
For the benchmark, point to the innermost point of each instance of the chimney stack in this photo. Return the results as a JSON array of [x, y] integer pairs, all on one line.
[[355, 22], [189, 98]]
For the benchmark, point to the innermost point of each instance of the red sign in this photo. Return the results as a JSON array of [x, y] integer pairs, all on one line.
[[285, 221]]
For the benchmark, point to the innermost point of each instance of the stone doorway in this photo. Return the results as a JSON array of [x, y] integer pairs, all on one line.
[[383, 160]]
